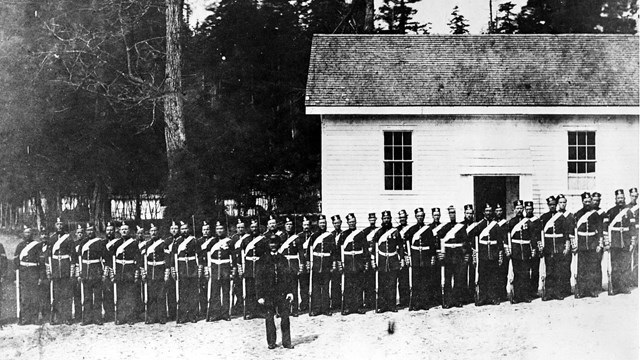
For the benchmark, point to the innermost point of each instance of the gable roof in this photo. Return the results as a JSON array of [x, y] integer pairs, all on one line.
[[473, 70]]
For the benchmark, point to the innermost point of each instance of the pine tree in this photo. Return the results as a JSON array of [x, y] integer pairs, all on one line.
[[458, 23], [398, 17], [506, 20]]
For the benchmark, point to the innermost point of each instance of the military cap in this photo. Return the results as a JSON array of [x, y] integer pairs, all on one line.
[[90, 226], [619, 192], [110, 224], [551, 199], [123, 223], [240, 222], [372, 216], [452, 208], [254, 221], [272, 218], [596, 194], [335, 217], [153, 227], [305, 220], [273, 239], [205, 225], [218, 224], [322, 217], [173, 223], [402, 213], [585, 195], [518, 203], [560, 196], [183, 224], [139, 228], [435, 209], [350, 216], [467, 207], [528, 203], [288, 220], [498, 206], [386, 213], [487, 206], [58, 221], [418, 210], [633, 190], [25, 227], [79, 227]]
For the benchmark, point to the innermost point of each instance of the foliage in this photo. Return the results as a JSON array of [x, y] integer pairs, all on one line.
[[458, 23]]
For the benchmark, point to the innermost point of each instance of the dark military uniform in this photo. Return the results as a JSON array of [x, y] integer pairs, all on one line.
[[3, 274], [353, 251], [557, 257], [489, 245], [61, 258], [203, 283], [520, 245], [504, 268], [92, 253], [588, 239], [77, 285], [434, 288], [170, 286], [126, 269], [157, 273], [370, 274], [237, 240], [388, 254], [421, 249], [617, 225], [28, 260], [253, 247], [453, 239], [634, 229], [217, 254], [303, 278], [535, 228], [292, 249], [322, 262], [184, 260], [336, 279], [142, 244], [108, 297], [404, 290]]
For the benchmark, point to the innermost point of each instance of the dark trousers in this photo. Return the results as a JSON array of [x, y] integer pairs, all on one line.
[[388, 283], [420, 281], [156, 301], [126, 302], [140, 302], [170, 292], [237, 294], [250, 297], [203, 302], [521, 279], [589, 279], [107, 302], [434, 287], [455, 283], [188, 301], [295, 304], [44, 297], [304, 291], [63, 290], [219, 303], [77, 301], [369, 289], [558, 278], [336, 291], [488, 281], [92, 300], [29, 298], [403, 286], [504, 272], [282, 307], [320, 292], [470, 290], [535, 276], [353, 291], [620, 269]]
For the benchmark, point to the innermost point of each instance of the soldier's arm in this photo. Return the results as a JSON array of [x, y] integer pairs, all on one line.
[[3, 262]]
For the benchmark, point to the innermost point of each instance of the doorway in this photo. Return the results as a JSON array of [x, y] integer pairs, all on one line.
[[495, 189]]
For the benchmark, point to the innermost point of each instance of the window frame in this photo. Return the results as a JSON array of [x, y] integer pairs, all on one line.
[[389, 159], [582, 177]]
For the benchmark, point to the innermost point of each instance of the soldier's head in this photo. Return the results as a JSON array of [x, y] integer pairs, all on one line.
[[306, 224], [219, 229], [351, 221], [139, 232], [528, 208], [153, 231], [468, 212], [43, 233], [322, 223], [206, 229], [452, 213], [124, 230], [586, 199], [288, 225], [552, 203], [174, 229], [518, 207], [386, 218], [91, 231], [372, 219], [254, 227], [240, 227], [337, 222], [79, 232], [274, 243], [620, 200], [402, 217], [488, 212], [419, 213], [26, 233], [633, 194], [110, 230], [59, 225], [562, 202], [595, 199], [435, 214], [499, 211], [272, 223], [184, 228]]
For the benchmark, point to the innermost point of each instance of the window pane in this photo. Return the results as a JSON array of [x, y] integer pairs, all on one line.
[[572, 153], [572, 138], [388, 153], [388, 168], [387, 138], [407, 153], [408, 182], [582, 153], [582, 168], [388, 182], [591, 153], [591, 138], [397, 168], [591, 167], [408, 168], [397, 138], [407, 138], [573, 168], [582, 138], [397, 183], [397, 153]]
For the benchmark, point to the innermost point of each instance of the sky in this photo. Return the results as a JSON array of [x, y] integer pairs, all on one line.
[[438, 12]]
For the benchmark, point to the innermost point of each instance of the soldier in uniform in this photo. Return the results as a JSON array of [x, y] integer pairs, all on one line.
[[252, 248], [186, 272], [217, 254], [536, 231], [61, 257], [353, 252], [3, 274], [635, 224], [336, 293], [556, 248], [520, 248], [420, 258], [370, 274], [500, 217], [488, 256], [453, 253], [305, 237], [292, 249], [112, 243], [77, 293], [142, 244], [170, 286], [434, 288], [92, 253], [126, 276], [156, 274], [619, 241], [45, 285], [27, 260], [570, 226], [403, 275], [237, 239], [321, 263], [203, 286], [389, 259], [470, 275], [274, 289], [272, 229], [588, 245]]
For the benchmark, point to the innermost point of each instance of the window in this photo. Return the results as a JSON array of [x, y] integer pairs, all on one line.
[[581, 166], [398, 164]]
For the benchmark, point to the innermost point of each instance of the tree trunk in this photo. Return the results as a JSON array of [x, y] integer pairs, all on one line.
[[368, 17], [175, 135]]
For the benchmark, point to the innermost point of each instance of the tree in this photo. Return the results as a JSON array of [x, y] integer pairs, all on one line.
[[506, 22], [398, 17], [458, 24]]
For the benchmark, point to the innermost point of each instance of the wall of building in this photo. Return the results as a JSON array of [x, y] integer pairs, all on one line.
[[448, 151]]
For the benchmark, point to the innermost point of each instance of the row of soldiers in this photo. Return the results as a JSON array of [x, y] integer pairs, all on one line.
[[184, 278]]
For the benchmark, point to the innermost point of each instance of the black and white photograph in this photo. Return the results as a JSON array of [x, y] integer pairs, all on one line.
[[319, 179]]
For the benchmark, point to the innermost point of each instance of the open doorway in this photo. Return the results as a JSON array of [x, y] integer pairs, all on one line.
[[495, 189]]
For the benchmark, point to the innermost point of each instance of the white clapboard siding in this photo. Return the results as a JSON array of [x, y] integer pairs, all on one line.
[[449, 151]]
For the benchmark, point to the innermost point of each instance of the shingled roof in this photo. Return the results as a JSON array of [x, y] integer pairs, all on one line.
[[473, 70]]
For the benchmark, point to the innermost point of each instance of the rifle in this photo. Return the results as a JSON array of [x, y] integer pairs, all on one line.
[[542, 268], [442, 271], [146, 290], [115, 290], [51, 293], [175, 257], [18, 294], [410, 273], [510, 273], [375, 247], [477, 266], [342, 283], [209, 286], [81, 286], [310, 276]]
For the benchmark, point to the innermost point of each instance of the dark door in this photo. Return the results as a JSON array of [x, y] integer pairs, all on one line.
[[495, 189]]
